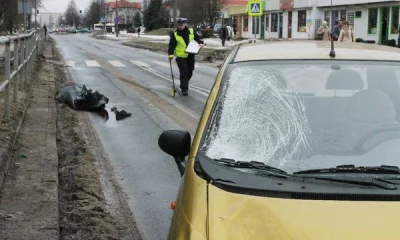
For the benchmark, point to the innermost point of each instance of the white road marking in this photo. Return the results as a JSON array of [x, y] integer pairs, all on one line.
[[118, 55], [117, 64], [92, 63], [140, 64], [161, 63], [70, 63], [155, 72]]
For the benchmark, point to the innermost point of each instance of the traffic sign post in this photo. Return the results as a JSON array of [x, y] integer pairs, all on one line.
[[255, 9]]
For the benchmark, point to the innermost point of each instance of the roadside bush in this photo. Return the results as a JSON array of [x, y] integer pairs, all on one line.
[[160, 31], [206, 33], [131, 30]]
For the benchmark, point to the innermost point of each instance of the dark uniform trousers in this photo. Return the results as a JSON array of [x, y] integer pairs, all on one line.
[[186, 67]]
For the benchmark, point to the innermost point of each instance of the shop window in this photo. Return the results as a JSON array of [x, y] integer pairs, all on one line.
[[274, 22], [327, 17], [395, 20], [337, 15], [302, 21], [350, 18], [343, 14], [372, 20], [267, 22], [246, 23], [358, 14]]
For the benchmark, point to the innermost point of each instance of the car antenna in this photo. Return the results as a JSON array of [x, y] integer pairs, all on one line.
[[332, 54]]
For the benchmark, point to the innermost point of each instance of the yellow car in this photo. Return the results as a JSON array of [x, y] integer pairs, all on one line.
[[297, 141]]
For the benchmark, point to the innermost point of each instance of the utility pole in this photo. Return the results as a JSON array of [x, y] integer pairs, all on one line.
[[175, 11], [116, 18], [23, 5], [105, 21], [36, 15]]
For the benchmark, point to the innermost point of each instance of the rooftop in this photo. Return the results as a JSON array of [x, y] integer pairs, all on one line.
[[315, 50]]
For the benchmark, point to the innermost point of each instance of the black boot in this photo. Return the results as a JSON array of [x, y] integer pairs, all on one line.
[[184, 92]]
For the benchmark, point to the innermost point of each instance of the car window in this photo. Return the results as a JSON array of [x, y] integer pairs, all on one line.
[[297, 116]]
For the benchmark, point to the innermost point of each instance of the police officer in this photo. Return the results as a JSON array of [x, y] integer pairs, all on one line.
[[179, 40]]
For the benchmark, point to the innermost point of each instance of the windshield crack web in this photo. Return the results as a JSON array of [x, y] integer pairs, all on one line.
[[259, 120]]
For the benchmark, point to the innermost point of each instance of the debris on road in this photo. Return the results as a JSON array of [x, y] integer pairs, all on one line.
[[81, 98], [119, 115]]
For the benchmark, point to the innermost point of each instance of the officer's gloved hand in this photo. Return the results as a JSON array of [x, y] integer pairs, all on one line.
[[170, 57]]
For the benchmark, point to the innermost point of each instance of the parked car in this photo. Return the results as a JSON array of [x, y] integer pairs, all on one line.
[[84, 30], [71, 30], [296, 141]]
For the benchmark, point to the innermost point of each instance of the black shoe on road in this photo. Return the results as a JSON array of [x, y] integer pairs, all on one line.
[[184, 92]]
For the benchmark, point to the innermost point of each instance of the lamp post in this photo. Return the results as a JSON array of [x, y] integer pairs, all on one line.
[[175, 11], [36, 15], [24, 6], [116, 18]]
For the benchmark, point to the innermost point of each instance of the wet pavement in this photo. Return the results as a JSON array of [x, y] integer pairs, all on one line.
[[148, 176]]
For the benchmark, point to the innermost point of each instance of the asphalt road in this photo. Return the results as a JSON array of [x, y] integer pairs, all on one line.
[[148, 176]]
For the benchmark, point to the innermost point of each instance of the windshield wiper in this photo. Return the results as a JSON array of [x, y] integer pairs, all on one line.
[[375, 182], [384, 169], [252, 164]]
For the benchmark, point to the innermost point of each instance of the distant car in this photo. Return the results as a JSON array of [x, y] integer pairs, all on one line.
[[84, 30], [71, 30], [217, 28]]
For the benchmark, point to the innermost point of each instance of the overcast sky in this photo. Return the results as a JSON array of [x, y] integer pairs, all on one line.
[[61, 5]]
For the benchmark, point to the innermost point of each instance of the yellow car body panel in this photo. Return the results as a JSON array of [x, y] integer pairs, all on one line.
[[241, 217], [190, 215], [189, 220]]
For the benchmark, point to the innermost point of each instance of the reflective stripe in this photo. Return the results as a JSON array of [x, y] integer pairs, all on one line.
[[181, 45]]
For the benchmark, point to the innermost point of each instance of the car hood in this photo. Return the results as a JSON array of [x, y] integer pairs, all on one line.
[[236, 216]]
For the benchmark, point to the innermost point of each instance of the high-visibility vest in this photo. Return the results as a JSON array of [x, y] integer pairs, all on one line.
[[181, 45]]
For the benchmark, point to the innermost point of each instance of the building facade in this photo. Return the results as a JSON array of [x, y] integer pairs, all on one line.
[[126, 11], [375, 20], [51, 20]]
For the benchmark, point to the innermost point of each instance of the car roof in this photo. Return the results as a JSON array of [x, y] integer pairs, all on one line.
[[279, 50]]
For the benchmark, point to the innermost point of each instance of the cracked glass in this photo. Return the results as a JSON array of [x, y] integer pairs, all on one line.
[[297, 116]]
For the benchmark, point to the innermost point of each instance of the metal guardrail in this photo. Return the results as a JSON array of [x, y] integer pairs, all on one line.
[[26, 50]]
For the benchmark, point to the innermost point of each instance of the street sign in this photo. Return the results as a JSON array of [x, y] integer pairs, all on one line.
[[171, 12], [255, 8], [116, 20], [27, 6], [102, 20]]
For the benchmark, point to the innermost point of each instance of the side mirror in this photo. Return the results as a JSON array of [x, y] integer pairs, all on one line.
[[177, 144]]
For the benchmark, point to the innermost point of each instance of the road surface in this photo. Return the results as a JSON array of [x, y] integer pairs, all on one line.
[[148, 176]]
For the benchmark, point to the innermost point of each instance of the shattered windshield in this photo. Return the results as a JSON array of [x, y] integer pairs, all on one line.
[[303, 115]]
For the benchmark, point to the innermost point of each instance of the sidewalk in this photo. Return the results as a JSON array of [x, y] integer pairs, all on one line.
[[29, 197]]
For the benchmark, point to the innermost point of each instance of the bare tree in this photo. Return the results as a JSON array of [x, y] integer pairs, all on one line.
[[9, 17], [93, 13], [71, 15], [207, 11]]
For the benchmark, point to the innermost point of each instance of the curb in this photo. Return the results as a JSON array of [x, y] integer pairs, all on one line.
[[205, 57], [217, 54]]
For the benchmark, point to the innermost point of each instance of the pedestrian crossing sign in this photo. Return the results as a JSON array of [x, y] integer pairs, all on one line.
[[255, 8]]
